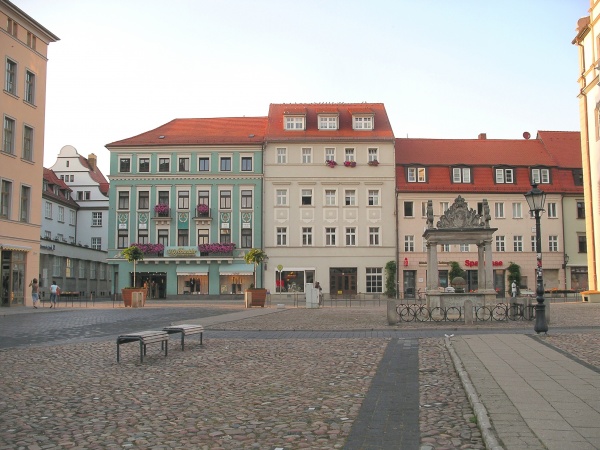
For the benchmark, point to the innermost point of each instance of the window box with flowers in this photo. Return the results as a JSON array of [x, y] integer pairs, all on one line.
[[151, 249], [373, 163], [161, 210], [330, 163], [350, 163], [225, 249], [202, 210]]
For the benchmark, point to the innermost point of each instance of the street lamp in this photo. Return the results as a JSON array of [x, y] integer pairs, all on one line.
[[536, 199]]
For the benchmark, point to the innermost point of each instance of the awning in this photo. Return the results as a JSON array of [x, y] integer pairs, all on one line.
[[14, 248], [191, 269], [236, 269]]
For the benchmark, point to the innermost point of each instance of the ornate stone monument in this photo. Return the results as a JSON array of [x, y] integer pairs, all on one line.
[[460, 225]]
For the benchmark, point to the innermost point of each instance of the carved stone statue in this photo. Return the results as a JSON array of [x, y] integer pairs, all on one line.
[[429, 214], [459, 215]]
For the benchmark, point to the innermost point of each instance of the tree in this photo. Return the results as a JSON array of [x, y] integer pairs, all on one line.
[[255, 256], [514, 274], [133, 254], [390, 279], [455, 271]]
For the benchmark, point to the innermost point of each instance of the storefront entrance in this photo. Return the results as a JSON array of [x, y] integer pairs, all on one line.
[[342, 281], [409, 277], [155, 282], [13, 278]]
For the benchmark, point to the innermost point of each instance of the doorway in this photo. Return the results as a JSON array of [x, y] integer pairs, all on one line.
[[342, 280], [409, 277]]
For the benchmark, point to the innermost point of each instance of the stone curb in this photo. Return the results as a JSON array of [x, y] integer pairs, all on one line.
[[483, 421]]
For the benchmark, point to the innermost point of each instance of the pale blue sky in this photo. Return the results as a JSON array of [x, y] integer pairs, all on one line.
[[444, 69]]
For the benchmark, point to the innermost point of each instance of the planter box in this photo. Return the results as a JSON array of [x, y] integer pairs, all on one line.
[[590, 296], [258, 297], [127, 295]]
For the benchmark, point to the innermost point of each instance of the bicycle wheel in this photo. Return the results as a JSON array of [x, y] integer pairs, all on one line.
[[422, 314], [500, 312], [406, 315]]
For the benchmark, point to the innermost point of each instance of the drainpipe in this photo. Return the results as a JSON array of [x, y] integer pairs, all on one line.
[[397, 247]]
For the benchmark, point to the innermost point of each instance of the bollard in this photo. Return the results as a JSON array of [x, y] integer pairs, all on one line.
[[392, 315], [468, 312]]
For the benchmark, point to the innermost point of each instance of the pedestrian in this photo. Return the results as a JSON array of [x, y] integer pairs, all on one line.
[[54, 293], [153, 288], [318, 286], [35, 291], [514, 289]]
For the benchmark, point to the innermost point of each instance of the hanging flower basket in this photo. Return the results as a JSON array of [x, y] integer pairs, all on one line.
[[374, 163], [330, 163], [162, 210], [350, 163], [202, 210]]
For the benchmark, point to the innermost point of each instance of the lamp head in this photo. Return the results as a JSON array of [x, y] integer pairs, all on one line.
[[536, 198]]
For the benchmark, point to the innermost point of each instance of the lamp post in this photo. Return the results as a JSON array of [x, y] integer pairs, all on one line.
[[536, 199]]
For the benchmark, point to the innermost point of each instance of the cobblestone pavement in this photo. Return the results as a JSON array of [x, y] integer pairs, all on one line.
[[238, 394]]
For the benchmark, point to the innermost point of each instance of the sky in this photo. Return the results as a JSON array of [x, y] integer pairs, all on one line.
[[443, 69]]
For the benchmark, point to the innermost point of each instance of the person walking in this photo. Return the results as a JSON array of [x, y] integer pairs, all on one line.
[[54, 293], [35, 291], [514, 289]]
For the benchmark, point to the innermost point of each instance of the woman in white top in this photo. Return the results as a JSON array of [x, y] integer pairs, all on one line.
[[54, 293]]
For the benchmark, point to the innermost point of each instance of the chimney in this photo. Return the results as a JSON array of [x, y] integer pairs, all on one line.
[[482, 136], [92, 161]]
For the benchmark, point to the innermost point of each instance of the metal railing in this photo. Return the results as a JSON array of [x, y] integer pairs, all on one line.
[[501, 312]]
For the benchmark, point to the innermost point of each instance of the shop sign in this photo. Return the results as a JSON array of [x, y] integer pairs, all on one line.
[[181, 252], [469, 263]]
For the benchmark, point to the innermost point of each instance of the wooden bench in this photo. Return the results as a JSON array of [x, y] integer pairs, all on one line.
[[185, 329], [144, 338]]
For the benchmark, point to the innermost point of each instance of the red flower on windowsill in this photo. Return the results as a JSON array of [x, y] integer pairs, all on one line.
[[350, 163], [331, 163]]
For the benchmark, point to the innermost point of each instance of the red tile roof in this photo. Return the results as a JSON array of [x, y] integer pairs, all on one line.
[[95, 175], [53, 180], [382, 128], [225, 131], [558, 151]]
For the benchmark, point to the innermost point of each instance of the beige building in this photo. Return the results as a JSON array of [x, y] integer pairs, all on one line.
[[24, 51], [329, 197], [588, 42]]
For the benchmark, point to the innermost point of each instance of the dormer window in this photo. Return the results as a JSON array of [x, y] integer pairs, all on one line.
[[504, 175], [416, 175], [294, 123], [540, 176], [328, 122], [362, 122], [461, 175], [56, 190]]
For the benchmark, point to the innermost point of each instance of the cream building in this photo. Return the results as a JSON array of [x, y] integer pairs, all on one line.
[[24, 52], [329, 197]]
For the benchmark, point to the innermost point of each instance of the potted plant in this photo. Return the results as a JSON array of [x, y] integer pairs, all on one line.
[[132, 254], [259, 295], [373, 163], [350, 163], [162, 210], [330, 163], [202, 210]]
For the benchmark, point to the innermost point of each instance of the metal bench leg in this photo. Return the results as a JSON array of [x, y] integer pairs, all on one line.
[[182, 339], [166, 347], [118, 345], [142, 351], [200, 338]]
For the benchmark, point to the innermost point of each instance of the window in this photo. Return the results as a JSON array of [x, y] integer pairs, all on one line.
[[143, 200], [409, 209], [409, 243], [517, 243], [373, 197], [8, 142], [144, 165], [28, 143], [582, 244], [102, 270], [444, 207], [122, 239], [246, 238], [96, 243], [373, 155], [281, 236], [225, 236], [124, 165], [578, 177], [281, 197], [444, 248], [533, 243], [350, 197], [203, 198], [499, 210], [183, 239], [163, 198], [504, 176], [225, 199], [68, 267], [30, 87], [31, 40], [246, 199], [349, 154], [163, 237], [281, 155], [183, 200], [92, 270], [12, 28], [96, 219], [164, 165], [143, 237], [351, 236], [416, 175], [202, 237], [81, 269], [246, 164], [540, 176], [516, 210], [61, 214], [25, 203], [294, 123], [373, 236], [204, 164], [374, 279], [83, 195], [362, 122], [330, 154], [72, 217], [552, 243], [184, 164], [330, 197], [10, 84], [47, 208], [306, 155], [306, 197], [580, 209], [500, 247], [56, 267], [330, 236], [461, 174], [328, 122], [123, 200], [307, 236], [551, 208]]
